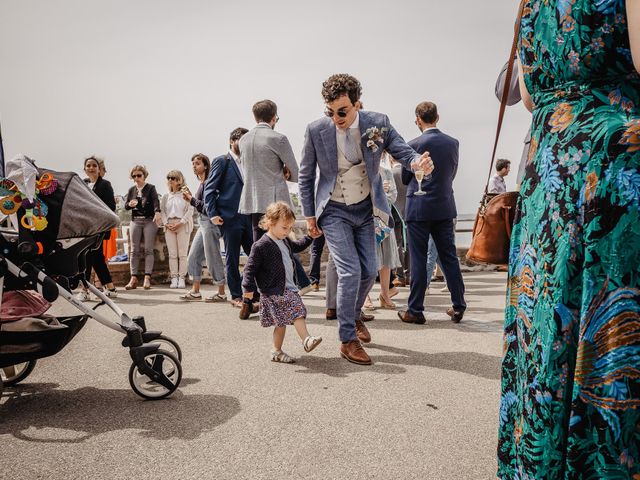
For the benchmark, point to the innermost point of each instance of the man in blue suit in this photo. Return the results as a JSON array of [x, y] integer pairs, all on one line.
[[433, 214], [345, 148], [222, 192]]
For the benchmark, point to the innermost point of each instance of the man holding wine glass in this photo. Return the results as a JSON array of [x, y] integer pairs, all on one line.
[[430, 211], [343, 148]]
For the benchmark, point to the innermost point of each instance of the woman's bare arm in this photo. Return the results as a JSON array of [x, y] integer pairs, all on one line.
[[524, 93]]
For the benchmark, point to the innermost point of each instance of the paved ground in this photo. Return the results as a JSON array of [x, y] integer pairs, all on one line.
[[427, 409]]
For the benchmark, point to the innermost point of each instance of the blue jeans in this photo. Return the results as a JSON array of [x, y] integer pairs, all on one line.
[[315, 258], [301, 276], [432, 259], [206, 246], [349, 233], [237, 233]]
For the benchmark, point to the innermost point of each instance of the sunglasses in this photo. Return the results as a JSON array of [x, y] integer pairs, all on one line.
[[172, 178], [340, 113], [137, 175]]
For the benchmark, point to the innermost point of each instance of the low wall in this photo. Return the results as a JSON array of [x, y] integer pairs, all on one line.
[[120, 270]]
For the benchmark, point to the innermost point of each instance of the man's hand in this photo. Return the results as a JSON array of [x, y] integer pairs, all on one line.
[[312, 227], [217, 220], [286, 172], [386, 186], [424, 163]]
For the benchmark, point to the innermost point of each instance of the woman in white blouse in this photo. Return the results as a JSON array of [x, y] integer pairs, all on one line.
[[177, 218]]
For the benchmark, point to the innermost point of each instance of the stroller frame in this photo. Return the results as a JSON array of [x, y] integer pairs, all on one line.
[[155, 373]]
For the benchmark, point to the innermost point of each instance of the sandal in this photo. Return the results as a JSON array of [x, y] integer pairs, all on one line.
[[310, 343], [217, 298], [368, 305], [281, 357], [191, 296], [386, 305], [237, 302]]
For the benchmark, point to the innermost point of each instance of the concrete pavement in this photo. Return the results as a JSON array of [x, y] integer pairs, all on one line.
[[427, 408]]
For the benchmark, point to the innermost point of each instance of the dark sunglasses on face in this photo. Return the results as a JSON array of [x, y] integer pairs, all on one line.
[[172, 178], [341, 113], [137, 175]]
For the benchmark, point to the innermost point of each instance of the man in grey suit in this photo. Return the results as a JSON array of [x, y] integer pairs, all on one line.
[[345, 148], [267, 163]]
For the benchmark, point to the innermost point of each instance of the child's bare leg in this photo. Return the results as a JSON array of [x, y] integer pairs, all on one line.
[[301, 328], [278, 337]]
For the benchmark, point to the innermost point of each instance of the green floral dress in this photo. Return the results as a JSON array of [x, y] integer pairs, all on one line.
[[570, 404]]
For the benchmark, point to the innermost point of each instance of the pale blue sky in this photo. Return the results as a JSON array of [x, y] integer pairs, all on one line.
[[155, 81]]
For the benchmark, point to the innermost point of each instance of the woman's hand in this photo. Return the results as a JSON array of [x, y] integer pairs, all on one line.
[[386, 186]]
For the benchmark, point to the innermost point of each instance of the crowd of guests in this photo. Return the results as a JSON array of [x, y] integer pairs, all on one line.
[[237, 190]]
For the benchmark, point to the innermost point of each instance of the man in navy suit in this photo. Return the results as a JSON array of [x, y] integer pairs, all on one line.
[[222, 192], [433, 214]]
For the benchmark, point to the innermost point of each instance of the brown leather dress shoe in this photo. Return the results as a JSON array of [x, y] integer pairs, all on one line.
[[456, 315], [408, 317], [362, 332], [246, 310], [354, 352], [133, 283], [366, 317], [331, 314]]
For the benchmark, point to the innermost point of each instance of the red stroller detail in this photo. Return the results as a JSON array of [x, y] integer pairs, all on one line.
[[51, 260]]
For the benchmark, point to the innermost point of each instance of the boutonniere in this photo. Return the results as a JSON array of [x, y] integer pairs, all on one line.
[[374, 135]]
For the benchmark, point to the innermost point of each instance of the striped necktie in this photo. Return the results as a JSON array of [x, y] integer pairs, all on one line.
[[352, 150]]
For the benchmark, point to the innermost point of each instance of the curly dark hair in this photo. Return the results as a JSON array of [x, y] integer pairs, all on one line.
[[341, 84], [237, 134]]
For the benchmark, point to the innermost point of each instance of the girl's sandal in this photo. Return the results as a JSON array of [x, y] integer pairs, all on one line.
[[281, 357], [190, 296], [310, 343]]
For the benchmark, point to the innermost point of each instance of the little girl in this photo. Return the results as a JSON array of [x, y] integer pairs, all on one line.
[[270, 267]]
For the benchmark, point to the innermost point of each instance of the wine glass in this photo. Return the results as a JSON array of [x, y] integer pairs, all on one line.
[[419, 177]]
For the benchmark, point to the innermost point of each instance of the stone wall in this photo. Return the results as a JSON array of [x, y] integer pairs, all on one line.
[[120, 270]]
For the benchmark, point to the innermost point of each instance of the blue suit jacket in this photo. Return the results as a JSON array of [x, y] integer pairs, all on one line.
[[320, 155], [438, 203], [222, 195]]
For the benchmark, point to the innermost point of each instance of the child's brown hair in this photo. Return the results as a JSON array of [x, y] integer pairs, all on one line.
[[276, 211]]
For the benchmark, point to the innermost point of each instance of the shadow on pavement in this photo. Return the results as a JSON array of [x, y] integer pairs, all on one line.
[[38, 412], [471, 363]]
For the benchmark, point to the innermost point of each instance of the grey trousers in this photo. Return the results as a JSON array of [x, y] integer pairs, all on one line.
[[142, 228]]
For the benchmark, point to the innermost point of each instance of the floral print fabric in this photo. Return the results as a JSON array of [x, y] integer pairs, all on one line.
[[570, 404]]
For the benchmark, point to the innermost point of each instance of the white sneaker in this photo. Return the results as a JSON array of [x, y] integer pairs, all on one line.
[[181, 283], [174, 282], [305, 290], [444, 289], [83, 296], [110, 293]]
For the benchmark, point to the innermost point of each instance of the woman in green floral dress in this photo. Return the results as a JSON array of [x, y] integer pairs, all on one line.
[[570, 405]]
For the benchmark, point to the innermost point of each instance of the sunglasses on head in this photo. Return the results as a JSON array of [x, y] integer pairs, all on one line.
[[172, 178], [137, 175], [341, 113]]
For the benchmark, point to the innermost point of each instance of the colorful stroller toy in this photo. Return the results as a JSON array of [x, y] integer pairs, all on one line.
[[59, 220]]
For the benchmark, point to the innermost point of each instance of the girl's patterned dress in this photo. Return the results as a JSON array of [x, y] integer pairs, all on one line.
[[570, 405]]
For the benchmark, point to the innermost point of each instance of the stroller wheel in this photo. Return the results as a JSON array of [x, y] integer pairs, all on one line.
[[163, 363], [169, 345], [14, 374]]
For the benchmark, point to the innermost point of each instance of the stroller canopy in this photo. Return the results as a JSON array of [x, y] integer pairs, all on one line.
[[72, 209]]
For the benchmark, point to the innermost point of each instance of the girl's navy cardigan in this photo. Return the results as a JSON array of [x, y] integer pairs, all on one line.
[[265, 268]]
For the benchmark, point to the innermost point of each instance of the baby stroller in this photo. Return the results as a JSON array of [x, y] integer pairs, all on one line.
[[57, 225]]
